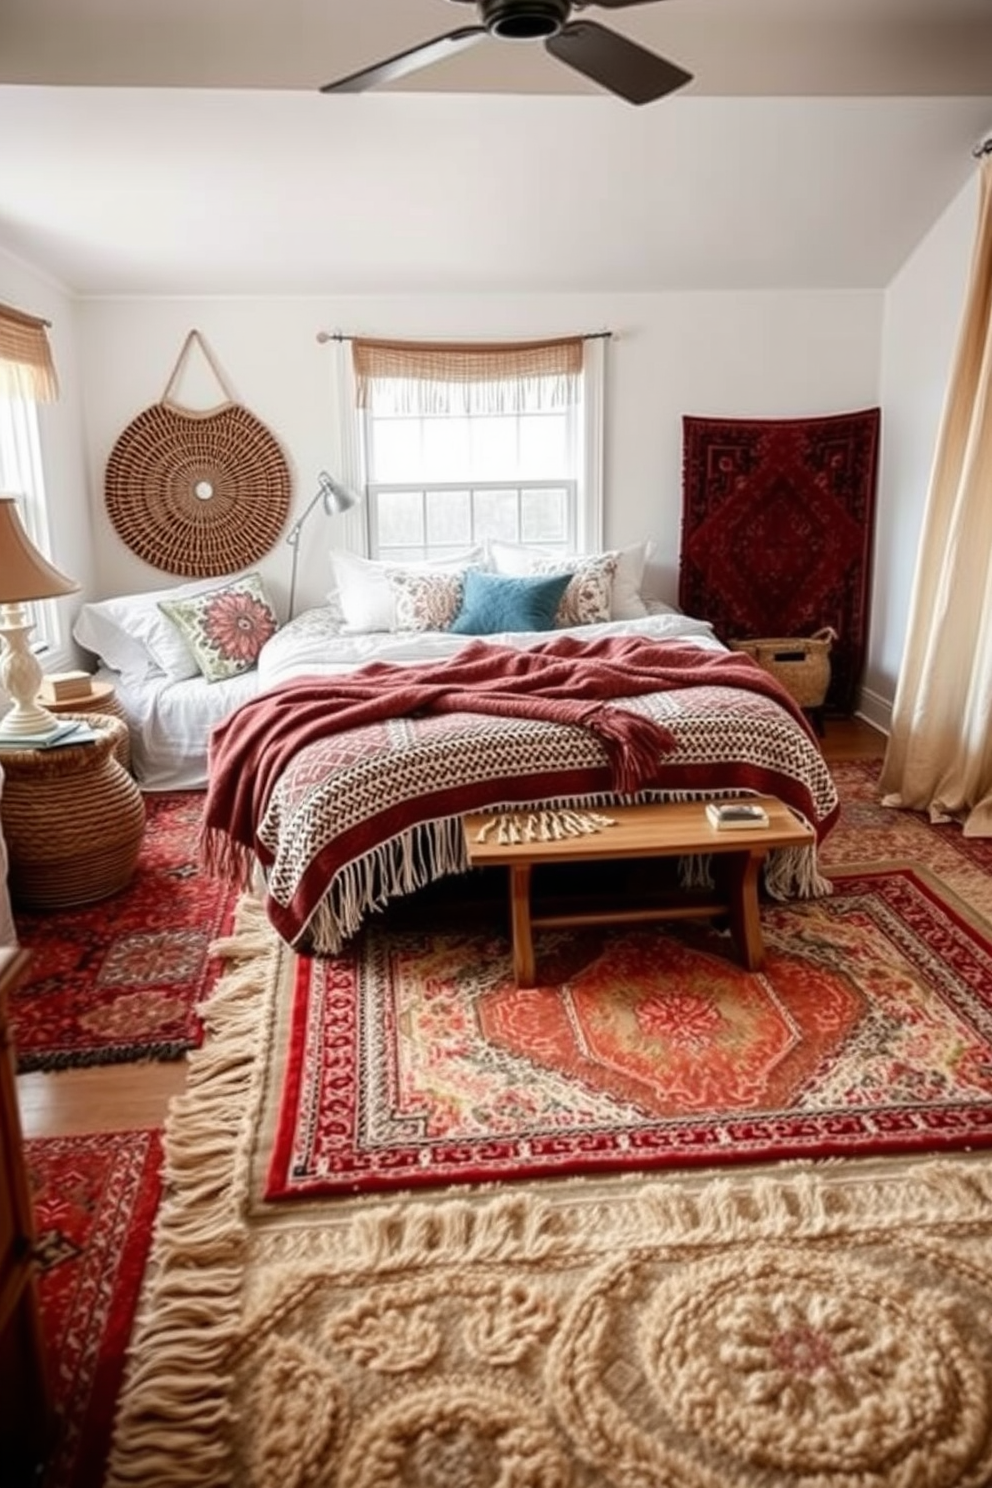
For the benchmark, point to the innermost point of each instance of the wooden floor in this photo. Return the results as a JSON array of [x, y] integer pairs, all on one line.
[[125, 1096]]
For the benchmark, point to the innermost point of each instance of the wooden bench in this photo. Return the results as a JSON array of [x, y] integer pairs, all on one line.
[[663, 830]]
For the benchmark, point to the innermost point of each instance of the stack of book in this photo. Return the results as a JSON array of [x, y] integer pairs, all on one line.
[[731, 815], [72, 731]]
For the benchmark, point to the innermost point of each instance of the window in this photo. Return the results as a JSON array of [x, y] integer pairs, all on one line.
[[27, 377], [21, 476], [464, 443]]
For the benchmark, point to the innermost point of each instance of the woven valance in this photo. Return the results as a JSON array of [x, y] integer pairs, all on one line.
[[27, 369], [439, 377]]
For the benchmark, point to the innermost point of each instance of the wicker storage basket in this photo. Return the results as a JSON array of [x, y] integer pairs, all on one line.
[[801, 664], [73, 820]]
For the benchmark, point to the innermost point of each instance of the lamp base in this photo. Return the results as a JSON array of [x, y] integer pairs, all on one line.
[[20, 678]]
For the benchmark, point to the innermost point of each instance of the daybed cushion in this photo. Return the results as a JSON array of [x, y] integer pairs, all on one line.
[[132, 636], [226, 627]]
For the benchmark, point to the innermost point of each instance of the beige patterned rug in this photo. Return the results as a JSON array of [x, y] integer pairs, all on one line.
[[805, 1326]]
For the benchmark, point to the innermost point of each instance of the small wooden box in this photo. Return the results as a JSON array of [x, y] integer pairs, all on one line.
[[65, 687]]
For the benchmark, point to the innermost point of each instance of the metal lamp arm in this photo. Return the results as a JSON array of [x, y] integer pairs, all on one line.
[[335, 499]]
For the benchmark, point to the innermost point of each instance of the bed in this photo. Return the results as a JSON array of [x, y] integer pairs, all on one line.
[[354, 819], [335, 825]]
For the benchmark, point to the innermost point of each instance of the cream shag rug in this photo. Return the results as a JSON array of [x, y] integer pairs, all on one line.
[[818, 1325]]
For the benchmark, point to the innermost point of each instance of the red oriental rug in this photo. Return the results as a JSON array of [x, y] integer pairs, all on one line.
[[415, 1060], [777, 519], [122, 979], [95, 1199]]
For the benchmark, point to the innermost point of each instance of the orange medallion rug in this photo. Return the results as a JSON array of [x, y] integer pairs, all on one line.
[[415, 1060]]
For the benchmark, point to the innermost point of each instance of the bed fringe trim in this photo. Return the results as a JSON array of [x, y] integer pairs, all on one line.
[[173, 1423], [430, 850]]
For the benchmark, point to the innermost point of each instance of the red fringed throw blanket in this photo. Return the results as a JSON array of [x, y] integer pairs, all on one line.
[[564, 681]]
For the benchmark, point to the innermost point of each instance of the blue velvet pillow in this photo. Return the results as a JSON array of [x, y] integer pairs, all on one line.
[[496, 602]]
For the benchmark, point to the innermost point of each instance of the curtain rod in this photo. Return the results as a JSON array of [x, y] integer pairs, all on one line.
[[22, 315], [324, 336]]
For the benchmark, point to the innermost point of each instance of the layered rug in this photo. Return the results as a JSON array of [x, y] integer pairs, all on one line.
[[416, 1060], [94, 1199], [122, 979], [821, 1324]]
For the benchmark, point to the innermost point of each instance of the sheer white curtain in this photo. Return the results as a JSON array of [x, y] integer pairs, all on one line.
[[939, 757]]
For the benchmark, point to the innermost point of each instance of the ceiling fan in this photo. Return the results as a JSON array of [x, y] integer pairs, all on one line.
[[608, 58]]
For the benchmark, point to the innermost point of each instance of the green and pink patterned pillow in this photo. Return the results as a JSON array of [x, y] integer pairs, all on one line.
[[225, 628]]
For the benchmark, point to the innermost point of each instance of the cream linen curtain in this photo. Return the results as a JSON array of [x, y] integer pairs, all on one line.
[[939, 757]]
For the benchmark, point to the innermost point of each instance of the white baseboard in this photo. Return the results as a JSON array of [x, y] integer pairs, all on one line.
[[875, 709]]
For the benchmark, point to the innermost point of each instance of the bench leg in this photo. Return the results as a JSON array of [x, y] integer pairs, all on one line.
[[745, 917], [523, 941]]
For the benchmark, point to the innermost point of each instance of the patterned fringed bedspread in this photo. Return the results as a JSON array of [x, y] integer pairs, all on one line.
[[360, 818]]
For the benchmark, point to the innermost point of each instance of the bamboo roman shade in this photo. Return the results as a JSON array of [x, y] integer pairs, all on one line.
[[26, 366], [491, 377]]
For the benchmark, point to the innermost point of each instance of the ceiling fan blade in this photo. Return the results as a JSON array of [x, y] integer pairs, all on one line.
[[615, 62], [407, 62], [610, 4]]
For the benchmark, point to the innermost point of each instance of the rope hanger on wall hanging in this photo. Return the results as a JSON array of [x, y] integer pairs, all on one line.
[[197, 493]]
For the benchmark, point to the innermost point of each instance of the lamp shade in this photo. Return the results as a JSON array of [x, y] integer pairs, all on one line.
[[336, 498], [24, 573]]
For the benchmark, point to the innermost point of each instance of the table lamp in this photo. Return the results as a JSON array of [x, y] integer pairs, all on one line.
[[24, 575]]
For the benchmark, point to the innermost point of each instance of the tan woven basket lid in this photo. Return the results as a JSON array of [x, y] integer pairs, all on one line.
[[197, 493]]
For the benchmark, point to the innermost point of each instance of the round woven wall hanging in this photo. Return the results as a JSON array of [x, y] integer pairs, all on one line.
[[197, 493]]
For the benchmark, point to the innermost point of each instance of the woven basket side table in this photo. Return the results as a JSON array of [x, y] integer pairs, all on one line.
[[102, 698], [73, 820]]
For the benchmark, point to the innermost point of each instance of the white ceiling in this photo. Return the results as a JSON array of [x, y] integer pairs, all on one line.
[[179, 147]]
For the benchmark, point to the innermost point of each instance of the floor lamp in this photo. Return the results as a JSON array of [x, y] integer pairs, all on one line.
[[24, 576], [335, 499]]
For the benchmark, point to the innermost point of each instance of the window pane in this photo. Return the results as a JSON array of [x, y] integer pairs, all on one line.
[[543, 446], [449, 519], [394, 453], [495, 448], [400, 519], [544, 517], [496, 515], [446, 449]]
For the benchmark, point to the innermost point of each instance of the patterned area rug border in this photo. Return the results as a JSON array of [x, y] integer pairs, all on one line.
[[749, 1069], [227, 1385]]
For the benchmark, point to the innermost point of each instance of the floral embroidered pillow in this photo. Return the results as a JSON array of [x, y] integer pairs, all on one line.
[[587, 599], [424, 601], [225, 628]]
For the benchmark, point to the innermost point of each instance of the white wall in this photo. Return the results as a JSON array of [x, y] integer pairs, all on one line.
[[747, 354], [923, 308], [61, 433]]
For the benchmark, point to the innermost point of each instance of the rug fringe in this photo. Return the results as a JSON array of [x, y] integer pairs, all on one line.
[[173, 1427], [791, 1201]]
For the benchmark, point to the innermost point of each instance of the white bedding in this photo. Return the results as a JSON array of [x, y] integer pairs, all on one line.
[[170, 722], [313, 645]]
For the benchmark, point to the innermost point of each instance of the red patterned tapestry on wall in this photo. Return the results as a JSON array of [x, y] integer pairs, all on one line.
[[777, 518]]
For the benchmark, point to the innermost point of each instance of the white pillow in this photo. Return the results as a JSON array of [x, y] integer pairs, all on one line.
[[132, 635], [626, 602], [367, 590]]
